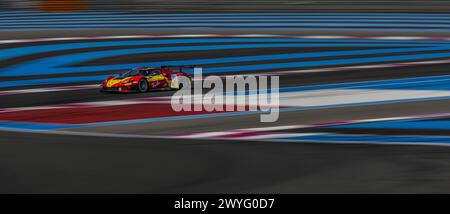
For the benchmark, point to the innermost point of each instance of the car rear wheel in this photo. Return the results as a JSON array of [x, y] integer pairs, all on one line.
[[143, 86]]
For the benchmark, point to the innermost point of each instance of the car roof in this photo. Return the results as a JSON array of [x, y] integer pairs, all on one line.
[[145, 68]]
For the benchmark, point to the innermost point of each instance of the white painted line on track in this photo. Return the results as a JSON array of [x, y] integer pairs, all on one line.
[[220, 35], [48, 89], [209, 134], [269, 135], [405, 38]]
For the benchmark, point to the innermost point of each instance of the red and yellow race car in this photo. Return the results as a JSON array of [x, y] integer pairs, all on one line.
[[144, 79]]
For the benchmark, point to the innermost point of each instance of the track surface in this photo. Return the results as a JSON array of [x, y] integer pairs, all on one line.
[[76, 140]]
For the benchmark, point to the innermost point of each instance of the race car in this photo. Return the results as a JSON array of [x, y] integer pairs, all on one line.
[[143, 79]]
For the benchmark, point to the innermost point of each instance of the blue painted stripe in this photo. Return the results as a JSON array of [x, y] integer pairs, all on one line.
[[443, 84], [243, 13], [301, 55], [23, 51], [368, 138], [4, 125], [405, 83], [417, 124], [211, 20], [254, 59], [34, 20], [333, 15], [365, 20], [326, 62], [332, 25], [213, 28], [29, 68], [416, 83]]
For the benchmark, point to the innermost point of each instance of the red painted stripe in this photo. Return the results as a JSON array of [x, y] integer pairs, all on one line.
[[79, 114]]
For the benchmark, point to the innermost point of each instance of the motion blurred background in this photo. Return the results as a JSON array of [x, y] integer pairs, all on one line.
[[227, 5], [365, 91]]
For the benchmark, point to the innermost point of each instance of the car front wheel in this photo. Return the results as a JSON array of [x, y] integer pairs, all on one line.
[[143, 86]]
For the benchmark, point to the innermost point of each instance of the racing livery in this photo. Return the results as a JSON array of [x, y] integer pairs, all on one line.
[[144, 79]]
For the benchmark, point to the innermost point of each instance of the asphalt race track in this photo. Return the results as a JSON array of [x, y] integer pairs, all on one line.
[[364, 96]]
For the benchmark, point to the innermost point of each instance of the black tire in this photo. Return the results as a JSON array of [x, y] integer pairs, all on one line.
[[142, 86]]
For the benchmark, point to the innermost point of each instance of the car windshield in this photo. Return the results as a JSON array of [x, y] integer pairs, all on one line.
[[129, 73]]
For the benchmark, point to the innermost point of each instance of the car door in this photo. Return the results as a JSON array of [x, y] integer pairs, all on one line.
[[156, 79]]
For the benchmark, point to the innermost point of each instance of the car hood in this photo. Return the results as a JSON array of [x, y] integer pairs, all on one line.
[[113, 81]]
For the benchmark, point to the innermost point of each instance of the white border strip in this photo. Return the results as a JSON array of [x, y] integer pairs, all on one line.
[[49, 89], [268, 135], [13, 41]]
